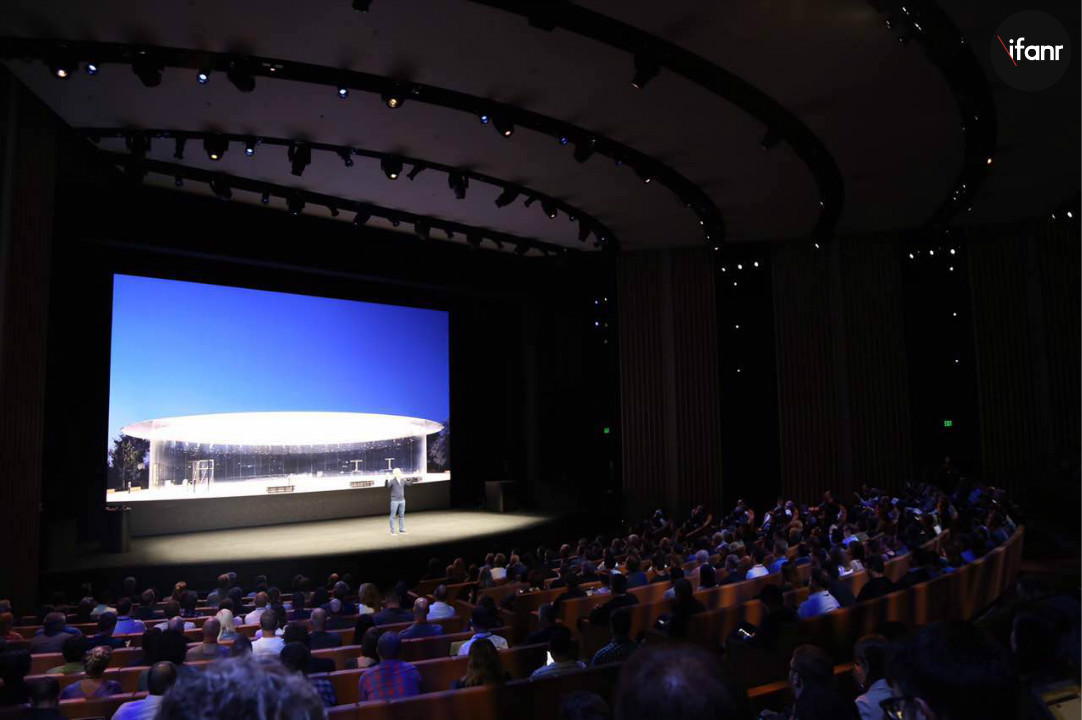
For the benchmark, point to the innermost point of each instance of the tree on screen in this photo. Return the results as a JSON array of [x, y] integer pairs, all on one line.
[[439, 449], [127, 462]]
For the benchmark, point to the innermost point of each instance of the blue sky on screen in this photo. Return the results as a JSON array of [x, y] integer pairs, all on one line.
[[181, 348]]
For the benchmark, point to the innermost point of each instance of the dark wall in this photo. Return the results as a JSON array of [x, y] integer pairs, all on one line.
[[29, 151]]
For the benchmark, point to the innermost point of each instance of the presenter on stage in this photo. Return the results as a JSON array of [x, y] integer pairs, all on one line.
[[398, 497]]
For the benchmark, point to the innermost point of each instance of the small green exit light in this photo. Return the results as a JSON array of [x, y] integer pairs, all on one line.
[[948, 423], [606, 430]]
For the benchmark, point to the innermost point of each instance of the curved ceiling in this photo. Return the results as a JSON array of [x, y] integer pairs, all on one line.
[[883, 111]]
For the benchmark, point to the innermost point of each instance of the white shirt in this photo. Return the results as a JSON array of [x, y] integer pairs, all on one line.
[[252, 618], [868, 703], [757, 571], [557, 668], [440, 611], [163, 626], [818, 603], [268, 646], [496, 640], [146, 709], [279, 632], [499, 573]]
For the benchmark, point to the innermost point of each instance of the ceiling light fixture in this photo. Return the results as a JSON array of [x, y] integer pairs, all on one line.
[[240, 74], [508, 196], [347, 156], [202, 77], [503, 125], [300, 157], [249, 147], [148, 69], [416, 170], [215, 146], [392, 167], [364, 214], [295, 204], [584, 149], [549, 208], [646, 69], [221, 189], [178, 149], [458, 182]]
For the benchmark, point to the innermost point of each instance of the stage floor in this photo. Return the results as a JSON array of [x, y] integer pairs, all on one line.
[[310, 539]]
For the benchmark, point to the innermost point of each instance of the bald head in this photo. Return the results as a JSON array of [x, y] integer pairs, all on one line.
[[420, 610], [161, 677], [318, 619], [211, 629], [261, 599]]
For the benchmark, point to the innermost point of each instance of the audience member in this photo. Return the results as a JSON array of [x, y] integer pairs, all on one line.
[[675, 573], [440, 609], [74, 652], [776, 620], [819, 601], [297, 658], [7, 628], [14, 667], [44, 697], [270, 643], [421, 627], [319, 638], [679, 682], [94, 685], [869, 671], [483, 624], [219, 593], [951, 671], [161, 677], [106, 629], [209, 649], [620, 598], [573, 591], [562, 651], [392, 611], [53, 634], [391, 678], [261, 600], [621, 645], [146, 610], [484, 667], [369, 656], [546, 620], [635, 576], [811, 679], [226, 629], [878, 584], [243, 689]]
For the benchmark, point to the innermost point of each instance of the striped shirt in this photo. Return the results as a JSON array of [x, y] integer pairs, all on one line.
[[388, 680]]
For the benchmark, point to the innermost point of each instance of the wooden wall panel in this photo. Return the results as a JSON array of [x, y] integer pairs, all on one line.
[[670, 407]]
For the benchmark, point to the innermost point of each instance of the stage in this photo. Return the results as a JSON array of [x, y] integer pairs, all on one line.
[[435, 532]]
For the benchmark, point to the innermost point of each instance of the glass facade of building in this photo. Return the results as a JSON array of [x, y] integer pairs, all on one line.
[[176, 463]]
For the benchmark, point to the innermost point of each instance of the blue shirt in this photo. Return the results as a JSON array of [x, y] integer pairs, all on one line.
[[126, 625], [421, 631]]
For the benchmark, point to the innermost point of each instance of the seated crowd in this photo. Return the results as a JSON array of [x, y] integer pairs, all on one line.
[[940, 671]]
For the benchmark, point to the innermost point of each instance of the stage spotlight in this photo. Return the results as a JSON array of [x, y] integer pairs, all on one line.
[[484, 118], [392, 167], [178, 150], [215, 146], [645, 175], [362, 5], [646, 69], [240, 74], [422, 229], [522, 249], [300, 157], [549, 208], [92, 68], [770, 139], [343, 92], [347, 156], [148, 70], [584, 231], [563, 140], [458, 182], [393, 100], [416, 170], [295, 205], [363, 216], [584, 149], [202, 77], [265, 198], [508, 196], [503, 125], [249, 147], [63, 69], [178, 181], [221, 189]]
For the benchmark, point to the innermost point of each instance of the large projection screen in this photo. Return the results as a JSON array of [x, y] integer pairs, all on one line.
[[225, 392]]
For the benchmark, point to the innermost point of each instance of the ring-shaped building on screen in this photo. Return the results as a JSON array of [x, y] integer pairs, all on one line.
[[235, 447]]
